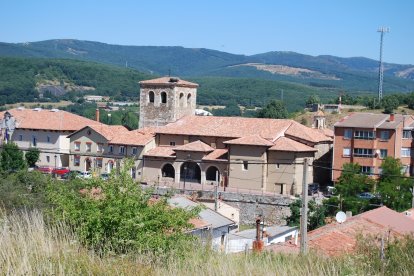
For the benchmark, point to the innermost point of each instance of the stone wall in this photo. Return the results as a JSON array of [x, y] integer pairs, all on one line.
[[275, 209]]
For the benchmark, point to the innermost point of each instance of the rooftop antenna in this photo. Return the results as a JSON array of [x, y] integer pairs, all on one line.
[[381, 30]]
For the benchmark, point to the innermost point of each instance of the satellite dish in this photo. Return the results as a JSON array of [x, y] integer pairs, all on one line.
[[340, 217]]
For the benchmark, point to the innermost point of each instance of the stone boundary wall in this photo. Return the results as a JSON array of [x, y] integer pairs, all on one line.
[[275, 209]]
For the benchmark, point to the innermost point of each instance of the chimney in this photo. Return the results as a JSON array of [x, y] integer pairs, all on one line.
[[97, 115], [392, 117]]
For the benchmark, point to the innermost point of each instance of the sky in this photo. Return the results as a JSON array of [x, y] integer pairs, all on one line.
[[345, 28]]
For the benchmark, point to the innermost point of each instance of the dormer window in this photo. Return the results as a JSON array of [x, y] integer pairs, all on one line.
[[163, 97], [151, 97]]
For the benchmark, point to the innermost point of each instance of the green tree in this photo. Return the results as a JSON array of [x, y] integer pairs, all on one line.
[[118, 215], [394, 188], [390, 103], [274, 110], [316, 214], [313, 99], [351, 183], [231, 110], [11, 158], [32, 156]]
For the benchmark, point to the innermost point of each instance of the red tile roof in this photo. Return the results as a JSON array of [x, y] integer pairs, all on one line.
[[251, 140], [162, 151], [237, 127], [287, 144], [45, 119], [133, 138], [335, 239], [109, 132], [195, 146], [217, 154], [169, 81]]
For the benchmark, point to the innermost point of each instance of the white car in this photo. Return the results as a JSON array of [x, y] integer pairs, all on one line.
[[85, 175]]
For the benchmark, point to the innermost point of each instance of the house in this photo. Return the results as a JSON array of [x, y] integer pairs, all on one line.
[[44, 129], [338, 238], [265, 155], [209, 226], [240, 241], [367, 138], [99, 148], [224, 209]]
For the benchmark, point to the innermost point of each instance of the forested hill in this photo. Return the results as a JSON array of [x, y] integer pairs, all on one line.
[[22, 79], [346, 74]]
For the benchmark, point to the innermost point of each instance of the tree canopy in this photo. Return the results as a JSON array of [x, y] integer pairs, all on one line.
[[274, 110]]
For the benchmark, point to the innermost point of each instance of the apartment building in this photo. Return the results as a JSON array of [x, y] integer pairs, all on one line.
[[44, 129], [367, 138], [100, 148]]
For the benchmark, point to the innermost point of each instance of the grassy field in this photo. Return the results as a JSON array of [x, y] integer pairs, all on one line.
[[29, 246]]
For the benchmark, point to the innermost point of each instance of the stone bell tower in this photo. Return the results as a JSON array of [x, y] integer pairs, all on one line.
[[165, 100]]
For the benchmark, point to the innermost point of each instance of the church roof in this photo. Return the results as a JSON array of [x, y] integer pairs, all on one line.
[[251, 140], [169, 81], [195, 146], [286, 144]]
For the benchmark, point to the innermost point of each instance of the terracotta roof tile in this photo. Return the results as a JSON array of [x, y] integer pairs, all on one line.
[[45, 119], [169, 81], [302, 132], [251, 140], [194, 146], [217, 154], [198, 223], [109, 132], [162, 151], [237, 127], [370, 120], [133, 137], [287, 144]]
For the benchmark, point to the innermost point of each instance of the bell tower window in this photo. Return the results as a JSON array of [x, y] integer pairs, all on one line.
[[163, 97], [189, 100], [151, 97]]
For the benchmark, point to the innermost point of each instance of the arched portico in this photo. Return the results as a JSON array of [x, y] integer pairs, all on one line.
[[191, 172]]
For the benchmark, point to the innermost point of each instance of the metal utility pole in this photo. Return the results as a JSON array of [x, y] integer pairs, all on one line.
[[381, 30], [304, 211]]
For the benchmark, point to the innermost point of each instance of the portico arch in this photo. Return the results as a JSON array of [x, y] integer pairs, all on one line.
[[190, 171]]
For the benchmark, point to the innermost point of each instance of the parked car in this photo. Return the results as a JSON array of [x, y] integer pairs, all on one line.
[[313, 188], [71, 175], [44, 169], [366, 195], [85, 175], [104, 176], [60, 171]]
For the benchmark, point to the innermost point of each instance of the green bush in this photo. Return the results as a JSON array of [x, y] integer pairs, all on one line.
[[117, 215]]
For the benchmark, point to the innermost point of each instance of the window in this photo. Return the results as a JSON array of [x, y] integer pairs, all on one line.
[[151, 97], [363, 152], [245, 165], [76, 160], [134, 150], [48, 159], [181, 101], [163, 97], [383, 153], [189, 99], [34, 141], [405, 152], [111, 149], [48, 139], [407, 134], [367, 170], [99, 147], [121, 149], [364, 134], [99, 162], [77, 146], [348, 134], [385, 135], [379, 170], [346, 152], [88, 147], [20, 137], [172, 144], [405, 169]]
